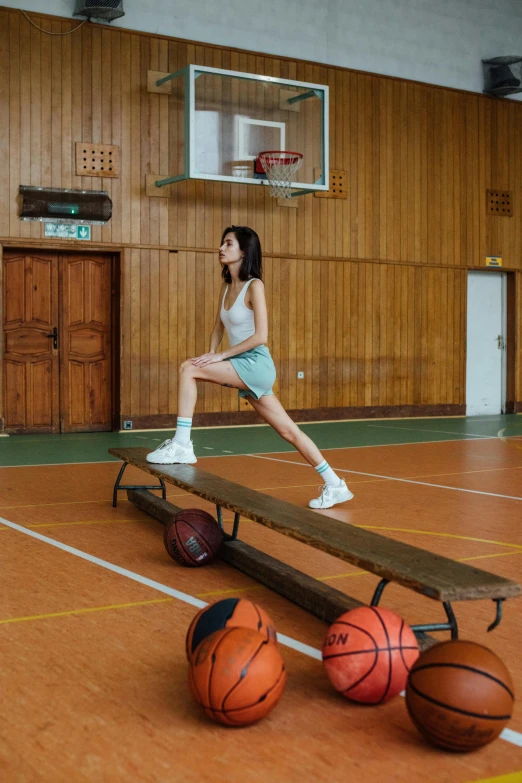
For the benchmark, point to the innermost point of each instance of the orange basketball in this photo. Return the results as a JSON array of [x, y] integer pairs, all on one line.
[[237, 676], [459, 695], [368, 653], [193, 537], [228, 613]]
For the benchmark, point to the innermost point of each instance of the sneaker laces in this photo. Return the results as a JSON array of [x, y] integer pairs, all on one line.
[[164, 444], [324, 490]]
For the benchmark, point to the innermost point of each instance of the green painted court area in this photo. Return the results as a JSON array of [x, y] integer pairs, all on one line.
[[220, 441]]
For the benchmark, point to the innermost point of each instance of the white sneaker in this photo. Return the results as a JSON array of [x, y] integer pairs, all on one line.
[[171, 452], [330, 496]]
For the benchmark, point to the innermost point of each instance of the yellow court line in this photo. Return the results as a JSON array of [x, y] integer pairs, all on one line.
[[83, 611], [511, 777]]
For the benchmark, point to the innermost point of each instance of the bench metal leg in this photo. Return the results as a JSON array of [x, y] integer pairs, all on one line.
[[451, 625], [228, 536], [118, 486], [498, 614], [378, 592]]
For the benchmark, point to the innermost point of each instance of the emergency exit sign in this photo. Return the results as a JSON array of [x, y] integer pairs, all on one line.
[[67, 231]]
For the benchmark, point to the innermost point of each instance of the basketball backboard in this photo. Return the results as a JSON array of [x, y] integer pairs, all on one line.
[[220, 120]]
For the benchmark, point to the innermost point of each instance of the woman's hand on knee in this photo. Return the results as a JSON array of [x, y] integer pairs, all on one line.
[[207, 358]]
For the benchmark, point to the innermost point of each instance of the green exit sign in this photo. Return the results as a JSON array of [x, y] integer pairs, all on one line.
[[67, 231]]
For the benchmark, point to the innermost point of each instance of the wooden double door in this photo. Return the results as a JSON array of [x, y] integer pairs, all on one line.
[[57, 336]]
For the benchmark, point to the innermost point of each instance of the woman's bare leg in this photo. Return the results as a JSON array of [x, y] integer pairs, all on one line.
[[274, 414], [222, 373]]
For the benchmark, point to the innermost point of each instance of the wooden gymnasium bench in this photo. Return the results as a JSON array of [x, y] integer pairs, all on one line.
[[434, 576]]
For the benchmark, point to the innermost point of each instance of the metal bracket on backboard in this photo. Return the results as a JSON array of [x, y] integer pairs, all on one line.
[[153, 77]]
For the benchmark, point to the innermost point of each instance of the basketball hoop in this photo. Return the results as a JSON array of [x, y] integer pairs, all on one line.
[[280, 167]]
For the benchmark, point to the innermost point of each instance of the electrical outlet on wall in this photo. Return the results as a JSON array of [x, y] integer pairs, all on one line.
[[300, 374]]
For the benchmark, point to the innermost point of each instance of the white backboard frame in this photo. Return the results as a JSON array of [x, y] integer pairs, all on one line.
[[190, 73]]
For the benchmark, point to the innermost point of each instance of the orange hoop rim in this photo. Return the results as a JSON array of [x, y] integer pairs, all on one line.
[[285, 156]]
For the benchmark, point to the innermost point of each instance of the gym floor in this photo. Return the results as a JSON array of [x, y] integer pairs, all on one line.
[[93, 612]]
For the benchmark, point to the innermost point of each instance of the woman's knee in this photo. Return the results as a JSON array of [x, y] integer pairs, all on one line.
[[186, 368], [289, 431]]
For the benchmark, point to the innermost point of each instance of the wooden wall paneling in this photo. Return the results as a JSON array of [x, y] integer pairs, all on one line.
[[329, 324], [23, 142], [423, 174], [368, 334], [394, 237], [475, 198], [143, 317], [106, 133], [156, 316], [145, 54], [381, 296], [403, 308], [49, 82], [114, 111], [387, 184], [12, 28], [4, 122], [82, 76], [173, 328], [353, 337], [376, 316], [408, 174], [135, 138], [446, 194], [126, 135], [340, 305], [61, 108], [154, 141], [135, 331], [388, 347], [35, 130], [298, 315]]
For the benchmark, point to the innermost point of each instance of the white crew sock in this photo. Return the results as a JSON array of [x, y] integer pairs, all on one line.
[[182, 434], [327, 474]]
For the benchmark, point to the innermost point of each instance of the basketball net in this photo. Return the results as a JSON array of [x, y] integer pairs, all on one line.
[[280, 167]]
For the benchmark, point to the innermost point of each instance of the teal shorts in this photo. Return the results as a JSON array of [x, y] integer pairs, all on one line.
[[257, 371]]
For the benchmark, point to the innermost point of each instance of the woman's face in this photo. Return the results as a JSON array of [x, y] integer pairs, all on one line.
[[230, 252]]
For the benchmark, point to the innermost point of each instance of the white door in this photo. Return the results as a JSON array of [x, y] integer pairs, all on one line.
[[486, 344]]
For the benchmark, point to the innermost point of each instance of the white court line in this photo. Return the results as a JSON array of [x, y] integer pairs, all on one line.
[[287, 641], [513, 737], [446, 432], [393, 478], [245, 454]]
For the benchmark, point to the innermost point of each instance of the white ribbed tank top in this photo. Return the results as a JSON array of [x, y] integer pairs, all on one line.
[[239, 320]]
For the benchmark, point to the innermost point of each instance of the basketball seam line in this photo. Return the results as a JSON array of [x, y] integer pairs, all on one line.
[[249, 662], [467, 668], [385, 629], [373, 649], [456, 709]]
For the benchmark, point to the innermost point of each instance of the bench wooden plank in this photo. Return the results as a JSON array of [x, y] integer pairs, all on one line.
[[431, 575], [321, 600]]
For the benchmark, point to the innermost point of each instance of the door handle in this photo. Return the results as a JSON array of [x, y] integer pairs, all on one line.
[[54, 335]]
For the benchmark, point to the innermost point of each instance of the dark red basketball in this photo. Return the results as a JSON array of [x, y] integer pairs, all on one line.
[[368, 653], [193, 537]]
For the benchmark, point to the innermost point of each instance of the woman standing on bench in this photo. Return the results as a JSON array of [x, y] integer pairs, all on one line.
[[247, 365]]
